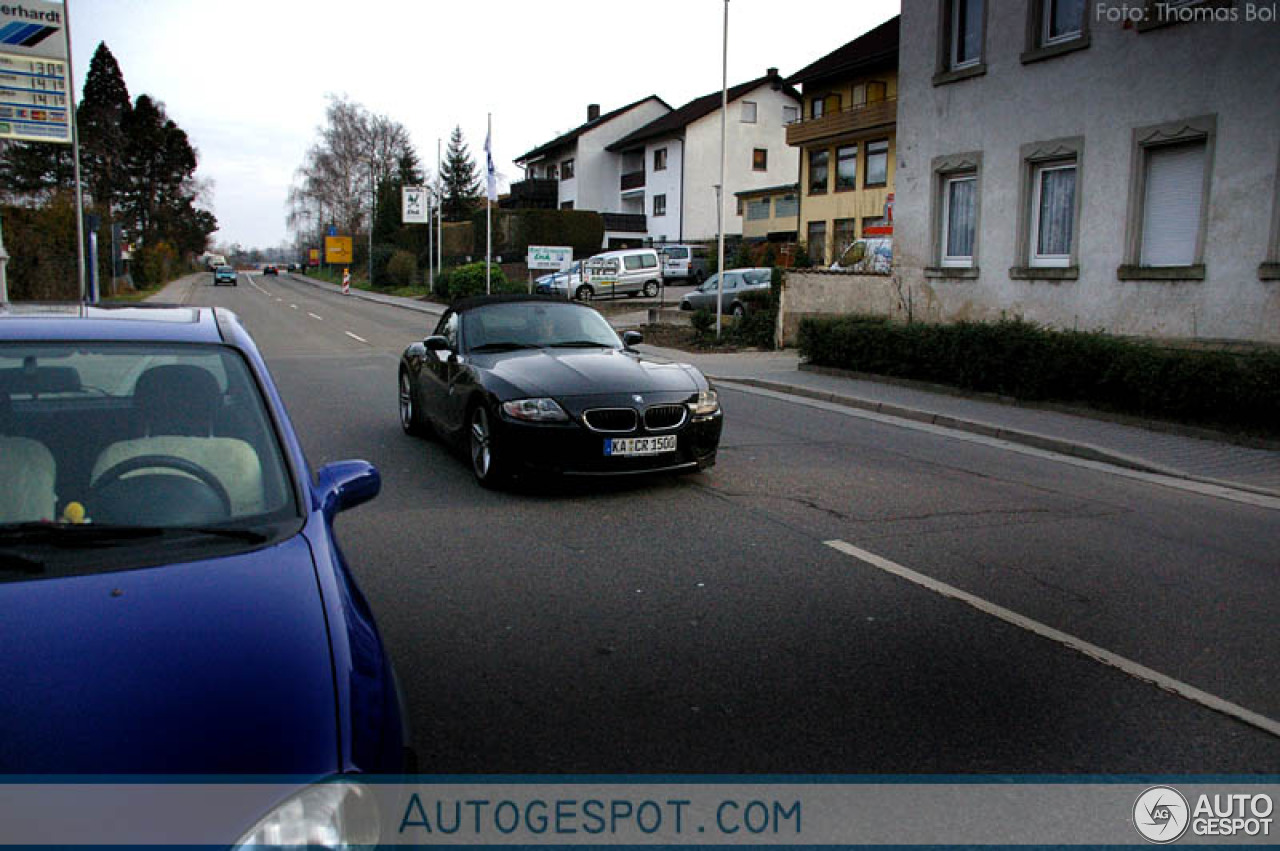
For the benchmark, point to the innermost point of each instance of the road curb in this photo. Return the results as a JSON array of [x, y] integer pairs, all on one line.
[[391, 300], [1077, 449]]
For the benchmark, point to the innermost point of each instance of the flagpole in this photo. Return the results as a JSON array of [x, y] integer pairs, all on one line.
[[488, 203]]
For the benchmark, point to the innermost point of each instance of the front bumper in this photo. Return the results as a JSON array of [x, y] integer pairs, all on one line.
[[572, 449]]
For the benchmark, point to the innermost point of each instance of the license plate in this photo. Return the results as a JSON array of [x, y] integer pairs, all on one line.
[[640, 445]]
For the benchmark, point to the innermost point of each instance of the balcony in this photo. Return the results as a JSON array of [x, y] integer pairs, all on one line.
[[535, 193], [624, 222], [856, 119], [632, 181]]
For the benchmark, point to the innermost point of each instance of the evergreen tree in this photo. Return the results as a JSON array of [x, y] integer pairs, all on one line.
[[159, 163], [102, 116], [35, 169], [460, 182]]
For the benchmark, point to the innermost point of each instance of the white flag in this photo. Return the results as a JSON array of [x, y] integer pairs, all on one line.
[[492, 177]]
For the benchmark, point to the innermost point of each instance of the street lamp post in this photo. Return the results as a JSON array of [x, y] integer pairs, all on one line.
[[724, 108]]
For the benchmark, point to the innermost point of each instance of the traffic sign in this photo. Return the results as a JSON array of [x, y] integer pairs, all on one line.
[[337, 249], [414, 205]]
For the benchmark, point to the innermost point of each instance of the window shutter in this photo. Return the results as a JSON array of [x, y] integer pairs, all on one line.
[[1171, 206]]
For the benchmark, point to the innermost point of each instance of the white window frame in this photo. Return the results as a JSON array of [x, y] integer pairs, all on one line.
[[1046, 22], [748, 116], [956, 261], [954, 63], [790, 114], [656, 212], [1202, 129], [656, 157], [1034, 257]]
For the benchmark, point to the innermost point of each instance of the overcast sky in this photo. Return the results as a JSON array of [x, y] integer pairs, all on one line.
[[248, 80]]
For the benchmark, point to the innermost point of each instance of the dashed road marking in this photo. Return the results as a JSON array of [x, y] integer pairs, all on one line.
[[313, 316], [1093, 651], [356, 337]]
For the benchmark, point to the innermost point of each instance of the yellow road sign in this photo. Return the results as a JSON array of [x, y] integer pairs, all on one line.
[[337, 249]]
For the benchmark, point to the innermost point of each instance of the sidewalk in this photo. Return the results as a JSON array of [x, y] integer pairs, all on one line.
[[1198, 459]]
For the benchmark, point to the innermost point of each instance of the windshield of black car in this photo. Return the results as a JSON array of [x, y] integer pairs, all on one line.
[[536, 324], [134, 435]]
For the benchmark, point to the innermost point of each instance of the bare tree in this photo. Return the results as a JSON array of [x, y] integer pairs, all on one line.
[[355, 151]]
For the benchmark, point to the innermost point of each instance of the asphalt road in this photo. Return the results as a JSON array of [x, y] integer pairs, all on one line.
[[717, 623]]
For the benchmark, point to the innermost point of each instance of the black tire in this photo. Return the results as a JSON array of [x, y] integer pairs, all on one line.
[[584, 293], [411, 419], [486, 463], [650, 289]]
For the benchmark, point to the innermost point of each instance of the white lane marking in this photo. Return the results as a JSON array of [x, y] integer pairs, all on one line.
[[294, 306], [1093, 651], [1257, 500], [355, 337], [254, 284], [313, 316], [280, 300]]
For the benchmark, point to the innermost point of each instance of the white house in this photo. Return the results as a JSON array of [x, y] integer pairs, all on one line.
[[669, 168], [585, 175], [1092, 165]]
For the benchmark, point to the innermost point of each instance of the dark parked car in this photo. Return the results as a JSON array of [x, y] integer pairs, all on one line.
[[534, 383], [172, 597], [224, 275], [737, 283], [270, 269]]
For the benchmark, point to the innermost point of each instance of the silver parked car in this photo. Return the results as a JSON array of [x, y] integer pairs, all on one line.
[[737, 282], [554, 283]]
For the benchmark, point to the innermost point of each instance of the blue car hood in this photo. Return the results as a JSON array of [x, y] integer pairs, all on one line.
[[585, 372], [211, 667]]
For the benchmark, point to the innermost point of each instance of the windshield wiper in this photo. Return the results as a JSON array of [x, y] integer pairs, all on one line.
[[581, 344], [14, 563], [73, 534], [89, 534], [501, 347]]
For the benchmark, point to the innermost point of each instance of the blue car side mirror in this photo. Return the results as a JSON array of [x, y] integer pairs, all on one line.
[[346, 484], [631, 338]]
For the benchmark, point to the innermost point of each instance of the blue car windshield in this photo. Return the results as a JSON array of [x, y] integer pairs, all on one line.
[[536, 324], [136, 435]]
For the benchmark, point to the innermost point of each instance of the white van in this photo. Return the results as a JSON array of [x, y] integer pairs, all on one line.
[[631, 271]]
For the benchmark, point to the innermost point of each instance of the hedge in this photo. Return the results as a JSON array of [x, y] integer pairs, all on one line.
[[464, 281], [1237, 391], [515, 230]]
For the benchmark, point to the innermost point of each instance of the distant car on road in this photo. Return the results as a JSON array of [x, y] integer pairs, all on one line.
[[270, 269], [172, 595], [737, 283], [224, 275], [535, 383]]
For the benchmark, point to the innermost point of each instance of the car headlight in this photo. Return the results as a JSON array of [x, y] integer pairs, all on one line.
[[708, 403], [535, 410], [327, 815]]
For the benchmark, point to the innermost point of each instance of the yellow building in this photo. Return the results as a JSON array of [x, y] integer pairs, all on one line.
[[847, 140]]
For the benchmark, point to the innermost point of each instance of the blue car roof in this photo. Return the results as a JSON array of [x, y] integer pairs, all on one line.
[[125, 323]]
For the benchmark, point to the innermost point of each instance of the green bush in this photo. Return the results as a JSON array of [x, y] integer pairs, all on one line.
[[401, 267], [382, 254], [702, 321], [1019, 359], [465, 281]]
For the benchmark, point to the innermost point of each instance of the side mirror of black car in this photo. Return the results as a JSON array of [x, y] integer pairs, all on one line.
[[631, 338], [436, 343]]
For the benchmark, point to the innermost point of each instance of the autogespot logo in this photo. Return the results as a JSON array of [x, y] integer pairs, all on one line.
[[1160, 814]]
